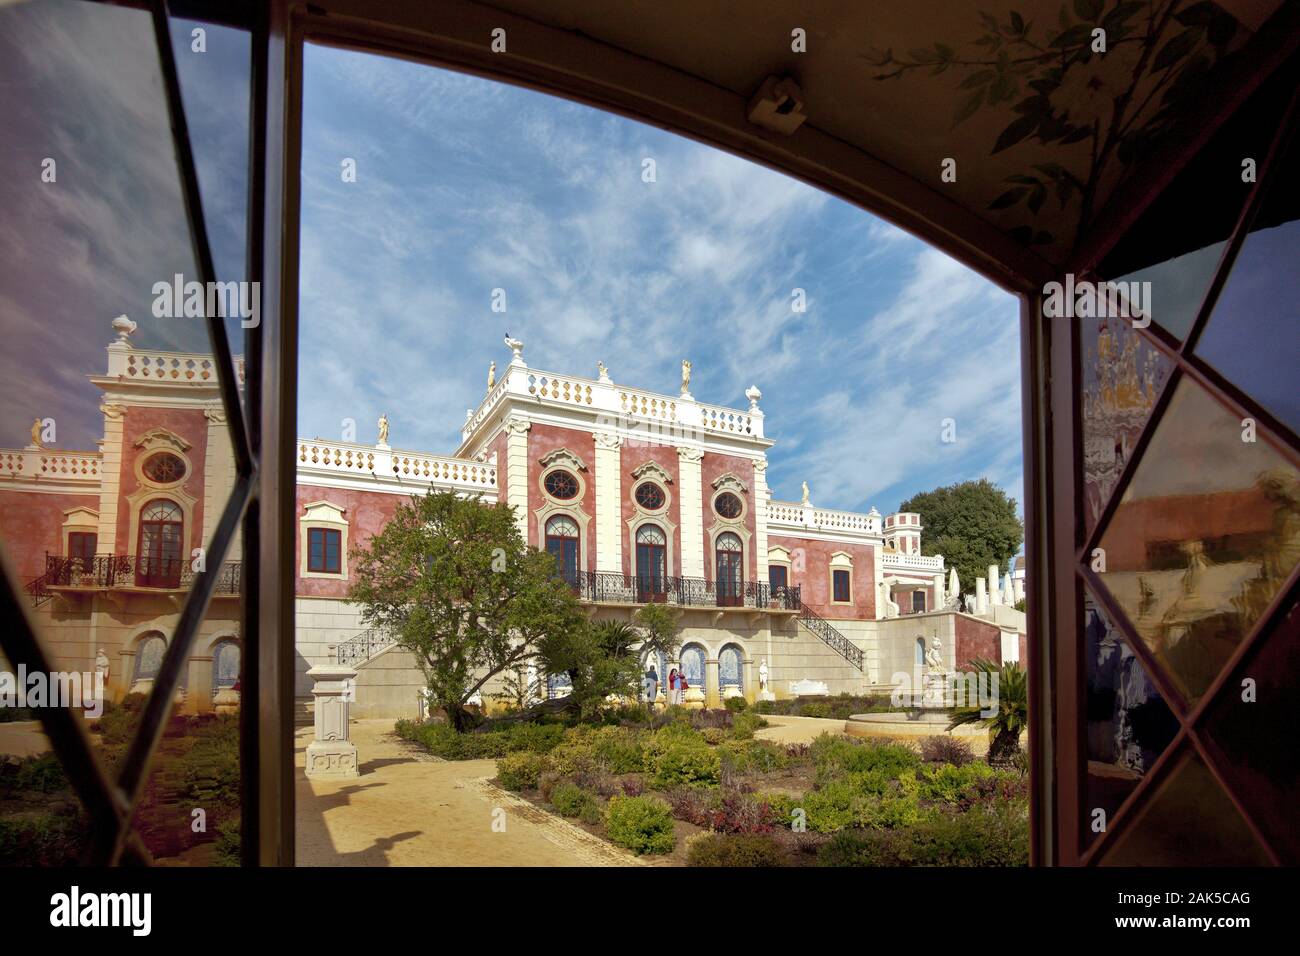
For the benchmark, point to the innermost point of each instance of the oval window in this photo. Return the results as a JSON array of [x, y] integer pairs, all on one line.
[[164, 468], [561, 485], [727, 505], [650, 496]]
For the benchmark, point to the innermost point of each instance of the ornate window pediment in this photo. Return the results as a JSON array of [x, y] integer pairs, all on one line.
[[729, 482], [562, 456], [162, 438], [324, 511], [652, 469]]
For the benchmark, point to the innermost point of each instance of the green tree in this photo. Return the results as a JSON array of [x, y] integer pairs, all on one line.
[[659, 628], [972, 524], [452, 581]]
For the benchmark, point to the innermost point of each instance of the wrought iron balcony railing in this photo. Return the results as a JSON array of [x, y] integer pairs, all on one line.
[[109, 571], [603, 587]]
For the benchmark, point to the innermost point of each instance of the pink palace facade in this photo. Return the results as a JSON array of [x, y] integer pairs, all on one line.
[[641, 496]]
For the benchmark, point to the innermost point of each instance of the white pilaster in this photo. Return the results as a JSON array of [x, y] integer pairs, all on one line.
[[110, 468], [760, 517], [517, 471], [218, 476], [690, 484], [609, 495]]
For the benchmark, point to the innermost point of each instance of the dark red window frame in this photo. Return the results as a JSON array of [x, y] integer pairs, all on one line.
[[320, 557], [840, 589], [82, 544]]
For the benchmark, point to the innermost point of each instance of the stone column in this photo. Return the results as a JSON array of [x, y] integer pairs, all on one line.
[[517, 471], [609, 511], [691, 508], [712, 691], [981, 597], [994, 590], [749, 679], [331, 753]]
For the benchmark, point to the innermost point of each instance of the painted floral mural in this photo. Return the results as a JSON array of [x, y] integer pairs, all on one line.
[[1099, 82]]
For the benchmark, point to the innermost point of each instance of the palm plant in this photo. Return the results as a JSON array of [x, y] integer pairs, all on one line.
[[1012, 715]]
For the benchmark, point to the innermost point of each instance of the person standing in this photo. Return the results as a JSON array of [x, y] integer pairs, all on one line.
[[672, 686], [651, 685]]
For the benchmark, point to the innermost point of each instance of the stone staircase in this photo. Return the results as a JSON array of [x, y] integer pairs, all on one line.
[[304, 711]]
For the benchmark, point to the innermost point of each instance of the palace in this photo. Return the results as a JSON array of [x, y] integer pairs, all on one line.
[[641, 496]]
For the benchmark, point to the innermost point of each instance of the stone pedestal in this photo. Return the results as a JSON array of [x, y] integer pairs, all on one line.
[[712, 699], [331, 753]]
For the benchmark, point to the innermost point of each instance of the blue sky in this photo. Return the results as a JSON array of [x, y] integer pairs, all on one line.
[[465, 185]]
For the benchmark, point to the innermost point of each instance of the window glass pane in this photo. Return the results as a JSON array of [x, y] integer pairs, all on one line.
[[1253, 335], [1250, 732], [94, 231], [1205, 534], [1179, 241], [1122, 374], [1189, 821], [1129, 725]]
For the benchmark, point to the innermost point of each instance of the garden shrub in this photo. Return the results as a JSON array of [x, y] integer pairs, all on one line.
[[734, 850], [945, 783], [522, 770], [442, 740], [782, 807], [547, 782], [704, 719], [642, 824], [944, 749], [571, 800], [671, 735], [633, 786], [228, 843], [744, 724], [727, 811], [735, 704], [619, 750], [576, 752], [839, 707], [688, 764], [597, 781], [42, 773], [752, 756], [994, 836], [714, 735], [836, 757], [43, 839]]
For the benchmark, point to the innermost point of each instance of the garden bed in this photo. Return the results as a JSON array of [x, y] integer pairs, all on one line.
[[696, 788]]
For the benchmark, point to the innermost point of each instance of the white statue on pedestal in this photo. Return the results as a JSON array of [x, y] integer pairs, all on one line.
[[764, 682], [890, 607], [102, 666], [934, 656]]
